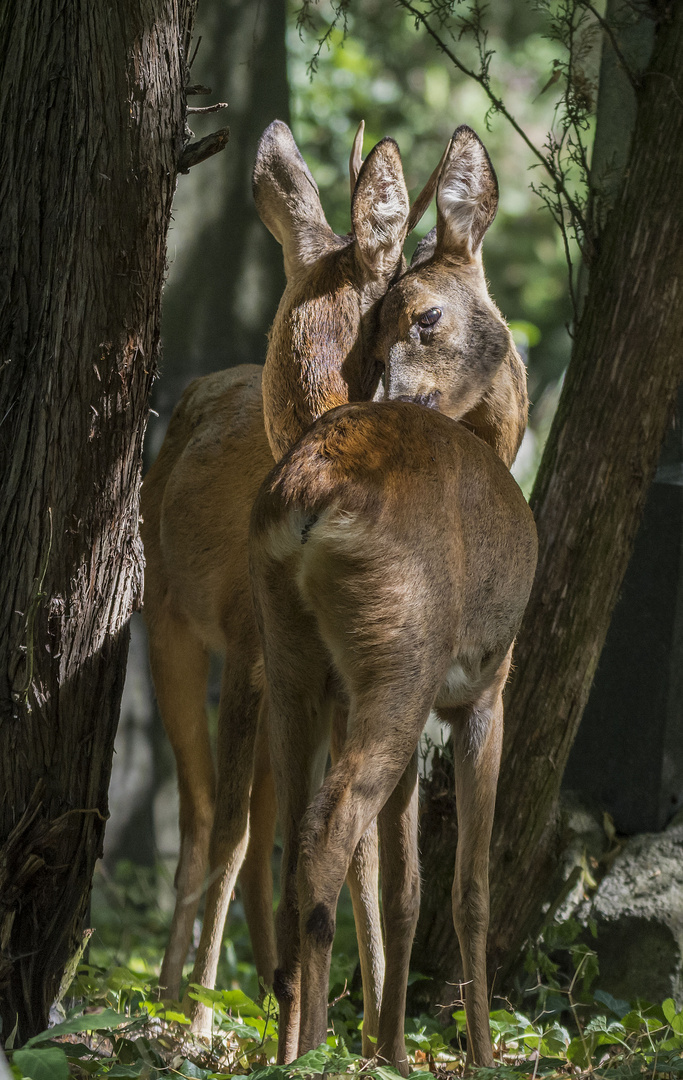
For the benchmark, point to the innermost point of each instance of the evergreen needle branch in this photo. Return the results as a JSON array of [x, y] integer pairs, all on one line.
[[498, 105]]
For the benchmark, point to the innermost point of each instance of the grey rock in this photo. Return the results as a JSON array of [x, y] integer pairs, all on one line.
[[638, 911]]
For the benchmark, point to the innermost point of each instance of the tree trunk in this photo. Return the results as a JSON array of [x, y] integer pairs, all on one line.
[[618, 394], [93, 124]]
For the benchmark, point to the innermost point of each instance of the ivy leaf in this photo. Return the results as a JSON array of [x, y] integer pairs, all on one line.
[[48, 1063], [101, 1021]]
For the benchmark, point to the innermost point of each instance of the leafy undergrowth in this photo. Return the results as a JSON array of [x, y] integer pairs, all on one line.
[[126, 1033], [116, 1026]]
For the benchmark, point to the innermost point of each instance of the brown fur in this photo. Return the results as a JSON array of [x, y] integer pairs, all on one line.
[[392, 556], [196, 502]]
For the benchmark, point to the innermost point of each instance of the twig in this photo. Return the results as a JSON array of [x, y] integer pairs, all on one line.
[[205, 148], [208, 108], [196, 50], [198, 89], [344, 993]]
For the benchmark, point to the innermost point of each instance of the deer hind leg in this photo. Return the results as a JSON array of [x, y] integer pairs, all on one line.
[[374, 758], [256, 876], [180, 667], [401, 907], [237, 728], [363, 882], [299, 763], [477, 738]]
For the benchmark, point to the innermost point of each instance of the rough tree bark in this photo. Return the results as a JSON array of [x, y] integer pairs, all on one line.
[[618, 395], [92, 100]]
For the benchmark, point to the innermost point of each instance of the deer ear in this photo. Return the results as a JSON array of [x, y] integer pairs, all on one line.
[[379, 210], [286, 197], [466, 197]]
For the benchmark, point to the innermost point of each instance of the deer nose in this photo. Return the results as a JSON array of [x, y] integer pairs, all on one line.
[[430, 400]]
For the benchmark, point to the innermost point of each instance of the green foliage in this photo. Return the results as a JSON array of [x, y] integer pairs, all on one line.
[[118, 1028]]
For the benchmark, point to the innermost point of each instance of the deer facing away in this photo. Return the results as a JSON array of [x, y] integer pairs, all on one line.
[[196, 503], [392, 556]]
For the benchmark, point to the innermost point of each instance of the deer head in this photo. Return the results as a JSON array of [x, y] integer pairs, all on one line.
[[443, 340]]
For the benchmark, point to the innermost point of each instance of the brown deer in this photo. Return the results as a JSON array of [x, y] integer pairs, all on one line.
[[196, 501], [392, 556]]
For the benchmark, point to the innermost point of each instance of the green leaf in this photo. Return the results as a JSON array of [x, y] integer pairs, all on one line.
[[673, 1017], [48, 1063], [385, 1072], [101, 1021], [120, 978], [580, 1051], [189, 1069], [314, 1060], [242, 1031], [238, 1002], [615, 1005], [128, 1071], [675, 1043], [417, 1040], [171, 1016], [204, 996]]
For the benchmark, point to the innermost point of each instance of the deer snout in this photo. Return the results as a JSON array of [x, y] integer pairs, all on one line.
[[409, 382], [430, 400]]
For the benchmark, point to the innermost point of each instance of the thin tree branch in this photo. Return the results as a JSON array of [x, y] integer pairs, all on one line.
[[208, 108], [497, 103], [203, 149]]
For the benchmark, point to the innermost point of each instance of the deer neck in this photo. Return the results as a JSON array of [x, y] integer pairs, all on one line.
[[318, 348], [500, 417]]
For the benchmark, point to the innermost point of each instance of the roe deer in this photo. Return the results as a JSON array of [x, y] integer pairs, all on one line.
[[392, 555], [196, 501]]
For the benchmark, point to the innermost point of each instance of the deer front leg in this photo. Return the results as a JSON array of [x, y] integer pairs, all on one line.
[[401, 907], [477, 736], [256, 876], [180, 668], [237, 727]]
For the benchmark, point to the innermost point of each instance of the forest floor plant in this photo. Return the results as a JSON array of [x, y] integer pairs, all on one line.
[[559, 1023]]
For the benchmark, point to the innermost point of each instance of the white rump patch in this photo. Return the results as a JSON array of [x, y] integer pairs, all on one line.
[[284, 538], [457, 687]]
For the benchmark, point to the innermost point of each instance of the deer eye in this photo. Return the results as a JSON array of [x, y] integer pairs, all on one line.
[[429, 318]]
